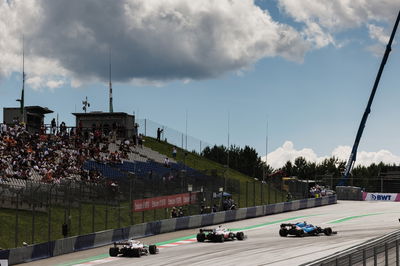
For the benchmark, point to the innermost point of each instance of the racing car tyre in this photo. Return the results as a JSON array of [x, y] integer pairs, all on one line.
[[153, 249], [201, 237], [328, 231], [136, 252], [126, 252], [283, 232], [221, 238], [240, 235], [300, 233], [113, 252]]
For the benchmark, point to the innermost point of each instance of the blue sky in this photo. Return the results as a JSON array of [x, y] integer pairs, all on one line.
[[315, 103]]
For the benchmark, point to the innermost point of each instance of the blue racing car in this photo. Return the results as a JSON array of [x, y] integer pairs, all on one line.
[[303, 229]]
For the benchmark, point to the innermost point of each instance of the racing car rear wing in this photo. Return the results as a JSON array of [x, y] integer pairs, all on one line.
[[121, 243], [206, 230]]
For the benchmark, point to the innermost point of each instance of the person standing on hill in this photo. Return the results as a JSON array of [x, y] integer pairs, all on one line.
[[159, 131]]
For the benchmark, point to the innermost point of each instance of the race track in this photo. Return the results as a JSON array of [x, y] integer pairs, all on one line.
[[355, 222]]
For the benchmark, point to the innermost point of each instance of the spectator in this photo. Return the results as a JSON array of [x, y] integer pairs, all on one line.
[[180, 212], [174, 152], [214, 208], [140, 141], [159, 131], [166, 162], [174, 213], [53, 126], [202, 209]]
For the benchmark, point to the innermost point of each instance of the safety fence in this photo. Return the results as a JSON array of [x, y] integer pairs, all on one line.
[[380, 251], [38, 211], [150, 128], [82, 242]]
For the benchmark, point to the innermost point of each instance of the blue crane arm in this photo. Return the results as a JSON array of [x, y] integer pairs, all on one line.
[[353, 154]]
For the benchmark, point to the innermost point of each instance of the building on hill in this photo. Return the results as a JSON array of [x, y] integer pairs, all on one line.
[[123, 123], [33, 116]]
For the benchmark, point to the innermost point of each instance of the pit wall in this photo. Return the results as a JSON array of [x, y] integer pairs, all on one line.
[[78, 243]]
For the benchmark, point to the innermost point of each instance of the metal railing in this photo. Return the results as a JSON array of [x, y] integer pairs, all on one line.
[[380, 251]]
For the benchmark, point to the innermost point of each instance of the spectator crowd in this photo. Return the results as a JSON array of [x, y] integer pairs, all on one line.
[[60, 154]]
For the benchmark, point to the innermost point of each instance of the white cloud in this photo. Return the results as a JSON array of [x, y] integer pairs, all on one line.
[[53, 84], [151, 40], [287, 152], [157, 41], [323, 18], [378, 33]]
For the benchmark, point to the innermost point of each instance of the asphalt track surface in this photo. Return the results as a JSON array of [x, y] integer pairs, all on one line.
[[355, 222]]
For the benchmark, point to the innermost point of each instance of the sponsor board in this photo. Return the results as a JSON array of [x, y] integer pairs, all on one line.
[[164, 202], [381, 196], [3, 262]]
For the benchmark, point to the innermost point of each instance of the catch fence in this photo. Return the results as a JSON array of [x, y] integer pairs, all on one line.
[[149, 128], [34, 211]]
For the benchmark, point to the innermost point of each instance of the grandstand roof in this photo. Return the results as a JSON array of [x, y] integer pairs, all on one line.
[[102, 114], [33, 109]]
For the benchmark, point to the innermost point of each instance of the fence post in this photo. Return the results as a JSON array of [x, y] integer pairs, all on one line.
[[261, 192], [33, 216], [49, 215], [33, 222], [375, 257], [247, 194], [16, 221], [93, 207], [145, 122], [254, 192], [269, 192], [80, 211], [130, 201], [239, 206], [106, 215], [119, 214]]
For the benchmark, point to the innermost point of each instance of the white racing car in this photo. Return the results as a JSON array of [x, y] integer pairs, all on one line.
[[218, 234], [132, 248]]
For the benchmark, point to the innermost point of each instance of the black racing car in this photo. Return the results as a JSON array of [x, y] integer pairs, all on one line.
[[218, 234], [303, 229]]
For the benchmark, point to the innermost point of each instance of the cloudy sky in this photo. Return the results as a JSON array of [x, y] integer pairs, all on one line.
[[305, 68]]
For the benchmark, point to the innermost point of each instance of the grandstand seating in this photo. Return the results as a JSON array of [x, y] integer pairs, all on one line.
[[105, 169]]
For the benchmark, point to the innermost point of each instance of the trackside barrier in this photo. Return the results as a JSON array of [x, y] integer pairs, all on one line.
[[383, 250], [349, 193], [77, 243]]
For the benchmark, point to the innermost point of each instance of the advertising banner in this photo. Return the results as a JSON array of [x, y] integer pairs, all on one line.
[[164, 202], [381, 196]]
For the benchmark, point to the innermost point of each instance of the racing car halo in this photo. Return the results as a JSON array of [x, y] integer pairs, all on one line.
[[218, 234], [132, 248], [303, 229]]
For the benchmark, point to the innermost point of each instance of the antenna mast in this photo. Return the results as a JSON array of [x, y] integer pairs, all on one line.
[[110, 95]]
